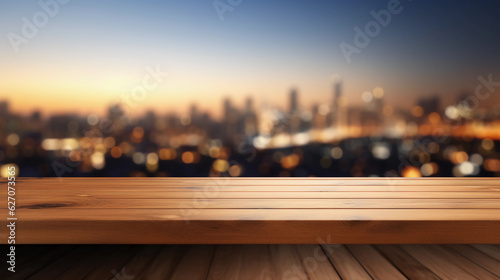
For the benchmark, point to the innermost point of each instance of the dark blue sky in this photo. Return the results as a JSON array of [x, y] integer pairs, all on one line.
[[98, 49]]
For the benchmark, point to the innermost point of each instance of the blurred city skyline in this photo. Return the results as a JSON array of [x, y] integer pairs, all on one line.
[[90, 53], [250, 88], [215, 107], [331, 139]]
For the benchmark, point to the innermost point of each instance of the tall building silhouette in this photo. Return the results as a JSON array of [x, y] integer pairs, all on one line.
[[338, 112], [294, 103], [230, 120], [4, 109], [227, 109], [193, 114], [249, 105], [249, 119], [293, 119], [337, 93]]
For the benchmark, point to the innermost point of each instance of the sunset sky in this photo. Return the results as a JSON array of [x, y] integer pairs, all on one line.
[[91, 52]]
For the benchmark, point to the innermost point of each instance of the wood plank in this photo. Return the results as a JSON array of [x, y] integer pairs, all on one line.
[[131, 214], [89, 263], [257, 232], [407, 264], [140, 203], [121, 194], [374, 263], [239, 226], [242, 262], [140, 261], [34, 265], [287, 262], [195, 263], [26, 254], [372, 181], [316, 263], [81, 186], [165, 263], [345, 263], [114, 265], [441, 266], [63, 263], [256, 263], [463, 262], [478, 257], [492, 251], [226, 262], [257, 226], [293, 210]]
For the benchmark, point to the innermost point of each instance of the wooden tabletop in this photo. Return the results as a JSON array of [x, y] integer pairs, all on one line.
[[255, 211]]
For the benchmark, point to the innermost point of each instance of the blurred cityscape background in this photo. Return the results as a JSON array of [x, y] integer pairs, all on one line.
[[328, 139], [245, 88]]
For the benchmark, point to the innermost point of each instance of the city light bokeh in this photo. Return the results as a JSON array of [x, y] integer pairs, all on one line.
[[157, 88], [336, 139]]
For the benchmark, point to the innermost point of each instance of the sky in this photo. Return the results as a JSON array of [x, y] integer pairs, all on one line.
[[90, 53]]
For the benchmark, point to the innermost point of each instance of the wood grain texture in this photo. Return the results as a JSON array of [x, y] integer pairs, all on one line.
[[493, 251], [405, 263], [437, 263], [477, 257], [195, 263], [316, 263], [386, 181], [377, 266], [59, 266], [256, 210], [345, 263], [226, 263], [288, 263], [164, 264], [272, 203], [196, 195], [252, 262]]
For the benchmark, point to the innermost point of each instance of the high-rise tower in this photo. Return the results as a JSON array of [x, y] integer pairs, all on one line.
[[337, 106], [294, 104]]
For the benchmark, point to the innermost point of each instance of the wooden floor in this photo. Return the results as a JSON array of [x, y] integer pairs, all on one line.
[[256, 211], [254, 262]]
